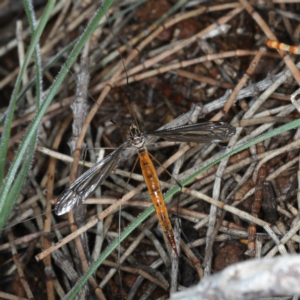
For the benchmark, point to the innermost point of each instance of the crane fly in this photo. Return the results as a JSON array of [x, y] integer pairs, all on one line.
[[84, 185]]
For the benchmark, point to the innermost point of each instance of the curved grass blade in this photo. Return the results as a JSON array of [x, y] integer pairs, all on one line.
[[9, 190], [22, 174], [6, 186]]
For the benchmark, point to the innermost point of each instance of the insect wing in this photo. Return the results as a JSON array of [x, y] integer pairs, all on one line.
[[84, 185], [197, 133]]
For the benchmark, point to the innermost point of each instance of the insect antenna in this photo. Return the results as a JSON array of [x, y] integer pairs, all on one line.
[[125, 71], [137, 125], [120, 127]]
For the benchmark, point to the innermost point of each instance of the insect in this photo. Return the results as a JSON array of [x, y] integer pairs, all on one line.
[[84, 185], [284, 47]]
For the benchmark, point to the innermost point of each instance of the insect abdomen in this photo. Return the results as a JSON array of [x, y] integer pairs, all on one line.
[[155, 192]]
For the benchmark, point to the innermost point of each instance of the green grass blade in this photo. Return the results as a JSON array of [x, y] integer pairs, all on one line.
[[19, 181], [4, 190], [17, 186], [11, 108]]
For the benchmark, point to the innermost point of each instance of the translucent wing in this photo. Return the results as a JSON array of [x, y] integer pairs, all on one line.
[[197, 133], [84, 185]]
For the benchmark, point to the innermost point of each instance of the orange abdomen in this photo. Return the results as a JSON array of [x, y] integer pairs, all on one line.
[[155, 192]]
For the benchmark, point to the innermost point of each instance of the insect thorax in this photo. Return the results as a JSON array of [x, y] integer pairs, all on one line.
[[137, 137]]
